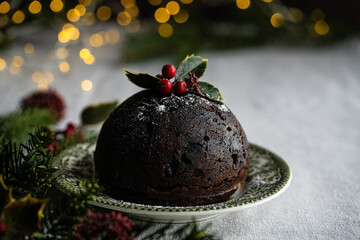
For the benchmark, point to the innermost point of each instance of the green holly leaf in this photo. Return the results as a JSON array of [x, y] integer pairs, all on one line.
[[210, 91], [193, 64], [22, 217], [143, 80], [97, 113]]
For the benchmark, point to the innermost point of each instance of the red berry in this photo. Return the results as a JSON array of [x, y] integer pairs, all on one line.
[[3, 229], [180, 87], [164, 86], [168, 71], [52, 147], [70, 129]]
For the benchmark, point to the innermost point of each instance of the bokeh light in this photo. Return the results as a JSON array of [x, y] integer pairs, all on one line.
[[162, 15], [114, 36], [18, 17], [165, 30], [56, 5], [277, 20], [2, 64], [61, 53], [35, 7], [243, 4], [182, 16], [103, 13], [85, 2], [155, 2], [18, 61], [4, 7], [133, 27], [133, 11], [73, 15], [317, 14], [186, 1], [84, 53], [295, 15], [88, 19], [89, 60], [321, 27], [81, 8], [86, 85], [36, 76], [123, 18], [64, 67], [96, 40], [128, 3], [29, 48], [173, 7]]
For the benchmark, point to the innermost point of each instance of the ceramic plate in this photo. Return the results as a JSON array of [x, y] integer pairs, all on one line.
[[268, 177]]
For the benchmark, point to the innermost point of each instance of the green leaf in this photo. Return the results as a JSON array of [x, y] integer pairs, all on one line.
[[97, 113], [193, 64], [210, 91], [143, 80]]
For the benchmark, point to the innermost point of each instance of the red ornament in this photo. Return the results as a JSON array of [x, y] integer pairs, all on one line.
[[3, 229], [180, 87], [168, 71], [164, 86], [52, 147], [45, 99]]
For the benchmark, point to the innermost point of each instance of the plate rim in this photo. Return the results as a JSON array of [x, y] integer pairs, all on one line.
[[215, 208]]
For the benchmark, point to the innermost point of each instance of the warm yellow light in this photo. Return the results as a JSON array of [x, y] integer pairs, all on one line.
[[2, 64], [114, 36], [18, 17], [105, 36], [165, 30], [295, 15], [133, 11], [88, 19], [18, 61], [133, 27], [14, 70], [267, 1], [86, 85], [317, 14], [43, 84], [49, 77], [155, 2], [29, 48], [103, 13], [243, 4], [61, 53], [56, 5], [128, 3], [63, 37], [74, 33], [162, 15], [96, 40], [123, 18], [4, 7], [186, 1], [84, 53], [4, 19], [277, 20], [73, 15], [173, 7], [81, 8], [182, 16], [36, 76], [85, 2], [90, 60], [321, 27], [64, 67], [35, 7]]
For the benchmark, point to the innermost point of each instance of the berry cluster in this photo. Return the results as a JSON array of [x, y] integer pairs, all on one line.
[[103, 226], [165, 86]]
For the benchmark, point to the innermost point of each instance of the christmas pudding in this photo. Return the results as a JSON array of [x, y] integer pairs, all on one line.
[[175, 144]]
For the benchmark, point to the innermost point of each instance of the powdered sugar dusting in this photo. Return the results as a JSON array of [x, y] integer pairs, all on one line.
[[160, 108], [224, 108]]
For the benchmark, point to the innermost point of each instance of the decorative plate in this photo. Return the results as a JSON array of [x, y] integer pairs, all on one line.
[[268, 177]]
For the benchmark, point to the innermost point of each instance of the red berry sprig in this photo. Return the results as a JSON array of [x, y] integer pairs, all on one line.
[[164, 86], [180, 87], [168, 71]]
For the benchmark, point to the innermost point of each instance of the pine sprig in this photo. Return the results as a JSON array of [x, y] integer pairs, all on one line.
[[27, 167]]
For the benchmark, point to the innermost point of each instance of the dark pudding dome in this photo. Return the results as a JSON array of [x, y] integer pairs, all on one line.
[[172, 150], [175, 144]]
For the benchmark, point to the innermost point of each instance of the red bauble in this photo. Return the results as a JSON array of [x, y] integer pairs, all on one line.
[[180, 87], [164, 87], [45, 99], [168, 71]]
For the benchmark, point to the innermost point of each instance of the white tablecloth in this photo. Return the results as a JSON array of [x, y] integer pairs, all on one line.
[[303, 104]]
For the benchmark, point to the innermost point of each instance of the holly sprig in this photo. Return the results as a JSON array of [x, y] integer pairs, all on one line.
[[192, 67]]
